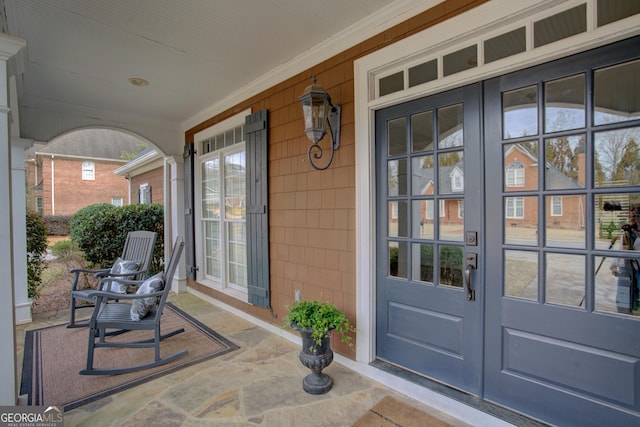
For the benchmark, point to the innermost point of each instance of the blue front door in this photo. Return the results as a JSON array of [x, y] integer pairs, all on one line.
[[429, 292]]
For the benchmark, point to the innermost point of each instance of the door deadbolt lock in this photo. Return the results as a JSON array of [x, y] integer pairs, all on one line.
[[471, 238]]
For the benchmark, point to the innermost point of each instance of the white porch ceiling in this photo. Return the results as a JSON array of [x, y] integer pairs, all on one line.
[[195, 54]]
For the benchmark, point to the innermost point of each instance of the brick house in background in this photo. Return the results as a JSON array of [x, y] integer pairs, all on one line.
[[76, 170], [145, 174]]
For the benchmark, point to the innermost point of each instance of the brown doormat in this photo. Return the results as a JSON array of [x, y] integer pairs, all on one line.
[[54, 356], [390, 412]]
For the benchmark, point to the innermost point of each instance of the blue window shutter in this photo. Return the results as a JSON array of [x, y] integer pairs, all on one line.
[[256, 143], [189, 229]]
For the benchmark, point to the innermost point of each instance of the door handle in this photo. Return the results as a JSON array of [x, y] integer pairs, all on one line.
[[472, 263]]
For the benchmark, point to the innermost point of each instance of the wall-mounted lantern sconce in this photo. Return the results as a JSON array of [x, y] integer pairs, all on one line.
[[318, 110]]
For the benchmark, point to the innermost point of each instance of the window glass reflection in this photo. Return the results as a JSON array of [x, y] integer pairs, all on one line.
[[422, 131], [398, 259], [617, 93], [423, 219], [617, 277], [398, 219], [451, 172], [617, 157], [565, 279], [565, 221], [520, 112], [614, 212], [564, 104], [521, 166], [450, 126], [564, 162], [397, 131], [397, 177], [422, 173], [521, 220], [521, 274], [451, 266], [423, 262], [451, 218]]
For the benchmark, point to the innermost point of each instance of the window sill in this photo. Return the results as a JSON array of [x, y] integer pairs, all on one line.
[[234, 293]]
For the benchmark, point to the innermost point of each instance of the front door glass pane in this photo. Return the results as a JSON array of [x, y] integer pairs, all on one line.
[[617, 157], [398, 219], [423, 262], [398, 259], [452, 220], [521, 274], [450, 126], [451, 172], [397, 177], [423, 219], [616, 280], [521, 220], [615, 213], [564, 104], [422, 173], [520, 166], [422, 131], [520, 112], [397, 130], [565, 279], [451, 265], [565, 162], [565, 221], [617, 91]]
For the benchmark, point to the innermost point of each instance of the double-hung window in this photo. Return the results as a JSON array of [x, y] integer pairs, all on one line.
[[88, 171], [221, 204]]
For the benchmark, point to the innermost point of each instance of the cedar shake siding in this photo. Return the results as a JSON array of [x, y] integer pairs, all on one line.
[[312, 226]]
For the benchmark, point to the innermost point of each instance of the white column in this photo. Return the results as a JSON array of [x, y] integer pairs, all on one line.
[[19, 211], [174, 219], [9, 46]]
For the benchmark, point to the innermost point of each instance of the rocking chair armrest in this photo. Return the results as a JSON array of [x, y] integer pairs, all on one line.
[[102, 273], [104, 295], [116, 275], [77, 271], [82, 270], [107, 280]]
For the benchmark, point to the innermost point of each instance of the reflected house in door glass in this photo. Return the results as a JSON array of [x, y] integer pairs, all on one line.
[[566, 172], [450, 182]]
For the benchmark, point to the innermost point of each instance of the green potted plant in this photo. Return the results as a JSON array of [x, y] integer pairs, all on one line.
[[315, 320]]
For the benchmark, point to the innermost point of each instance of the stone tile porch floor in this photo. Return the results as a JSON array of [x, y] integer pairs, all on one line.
[[259, 384]]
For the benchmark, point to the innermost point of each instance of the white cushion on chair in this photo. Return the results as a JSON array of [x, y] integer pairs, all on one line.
[[141, 307], [122, 266]]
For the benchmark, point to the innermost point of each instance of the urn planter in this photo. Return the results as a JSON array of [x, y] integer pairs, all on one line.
[[315, 321], [316, 357]]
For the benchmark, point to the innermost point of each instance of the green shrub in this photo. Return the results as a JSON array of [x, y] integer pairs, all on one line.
[[101, 230], [36, 250], [63, 249]]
